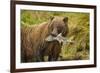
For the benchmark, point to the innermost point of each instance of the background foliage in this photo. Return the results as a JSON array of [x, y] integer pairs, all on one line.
[[78, 31]]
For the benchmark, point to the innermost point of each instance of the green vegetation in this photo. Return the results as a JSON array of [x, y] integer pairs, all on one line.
[[78, 31]]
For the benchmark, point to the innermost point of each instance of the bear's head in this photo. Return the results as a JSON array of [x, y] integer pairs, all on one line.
[[58, 28], [58, 25]]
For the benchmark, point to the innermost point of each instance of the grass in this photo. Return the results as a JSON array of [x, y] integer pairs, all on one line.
[[78, 31]]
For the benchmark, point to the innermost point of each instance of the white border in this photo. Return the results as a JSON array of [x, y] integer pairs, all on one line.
[[58, 63]]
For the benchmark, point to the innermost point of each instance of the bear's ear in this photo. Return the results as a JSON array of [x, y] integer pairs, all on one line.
[[50, 23], [65, 19], [51, 18]]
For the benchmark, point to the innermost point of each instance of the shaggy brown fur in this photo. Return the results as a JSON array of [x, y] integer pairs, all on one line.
[[33, 44]]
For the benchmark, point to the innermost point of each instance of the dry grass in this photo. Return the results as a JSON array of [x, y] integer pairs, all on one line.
[[78, 31]]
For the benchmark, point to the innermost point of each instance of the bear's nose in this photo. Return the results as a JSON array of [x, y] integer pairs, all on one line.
[[54, 35]]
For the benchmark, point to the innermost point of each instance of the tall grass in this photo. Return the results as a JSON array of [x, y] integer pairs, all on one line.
[[78, 23]]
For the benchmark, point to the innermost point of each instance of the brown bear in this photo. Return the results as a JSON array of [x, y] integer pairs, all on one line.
[[34, 43]]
